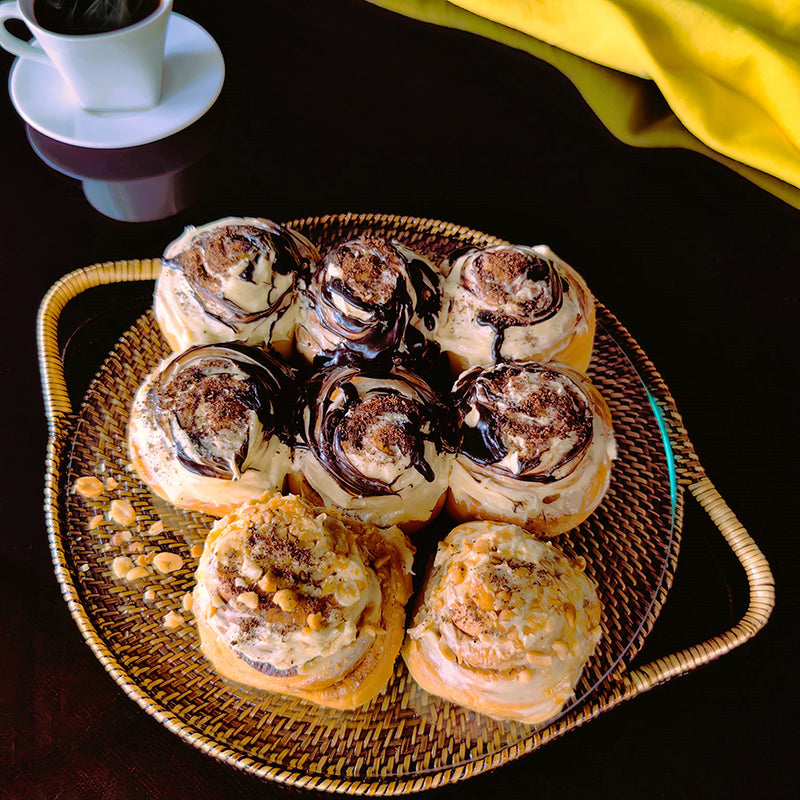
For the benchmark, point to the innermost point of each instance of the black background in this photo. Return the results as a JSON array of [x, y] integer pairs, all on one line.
[[340, 106]]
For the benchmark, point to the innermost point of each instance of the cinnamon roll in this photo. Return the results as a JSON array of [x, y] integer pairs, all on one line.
[[505, 625], [372, 298], [375, 444], [210, 427], [231, 280], [303, 601], [514, 303], [535, 446]]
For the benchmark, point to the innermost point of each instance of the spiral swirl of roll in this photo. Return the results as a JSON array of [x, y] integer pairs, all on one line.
[[232, 280], [535, 446], [512, 302], [211, 426], [505, 625], [371, 298], [375, 443], [298, 600]]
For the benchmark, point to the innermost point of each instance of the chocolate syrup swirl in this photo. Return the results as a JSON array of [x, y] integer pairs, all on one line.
[[378, 299], [366, 409], [527, 409], [212, 255], [205, 399]]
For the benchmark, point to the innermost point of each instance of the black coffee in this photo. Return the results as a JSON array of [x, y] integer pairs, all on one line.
[[82, 17]]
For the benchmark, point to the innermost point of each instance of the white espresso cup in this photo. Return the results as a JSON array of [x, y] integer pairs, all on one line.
[[120, 70]]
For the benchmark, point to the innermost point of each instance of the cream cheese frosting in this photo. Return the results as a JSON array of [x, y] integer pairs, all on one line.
[[209, 428], [506, 624], [536, 445], [232, 279], [373, 444], [512, 302]]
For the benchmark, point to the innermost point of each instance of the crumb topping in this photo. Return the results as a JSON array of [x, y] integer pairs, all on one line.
[[380, 423], [370, 271]]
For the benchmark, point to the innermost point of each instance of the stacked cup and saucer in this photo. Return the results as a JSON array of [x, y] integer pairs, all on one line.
[[109, 76]]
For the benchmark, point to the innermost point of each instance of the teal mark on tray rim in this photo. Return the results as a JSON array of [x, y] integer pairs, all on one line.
[[662, 426]]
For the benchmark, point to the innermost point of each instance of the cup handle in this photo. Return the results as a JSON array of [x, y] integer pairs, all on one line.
[[10, 10]]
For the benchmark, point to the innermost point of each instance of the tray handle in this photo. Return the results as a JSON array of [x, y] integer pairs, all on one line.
[[58, 405], [761, 586]]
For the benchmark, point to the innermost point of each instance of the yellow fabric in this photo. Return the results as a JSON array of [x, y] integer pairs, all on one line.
[[721, 77]]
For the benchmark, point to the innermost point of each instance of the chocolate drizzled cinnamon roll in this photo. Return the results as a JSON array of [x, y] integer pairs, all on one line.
[[510, 302], [370, 298], [374, 443], [302, 601], [232, 280], [210, 427], [535, 446], [505, 625]]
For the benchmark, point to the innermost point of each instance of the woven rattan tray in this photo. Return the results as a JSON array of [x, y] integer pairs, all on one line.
[[405, 740]]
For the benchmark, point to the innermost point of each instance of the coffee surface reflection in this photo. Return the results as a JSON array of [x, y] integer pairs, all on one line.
[[84, 17]]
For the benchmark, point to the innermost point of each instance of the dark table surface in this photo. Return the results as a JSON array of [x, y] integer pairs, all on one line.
[[341, 106]]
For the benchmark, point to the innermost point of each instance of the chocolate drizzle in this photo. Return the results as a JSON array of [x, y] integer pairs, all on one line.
[[204, 401], [532, 411], [212, 256], [378, 299], [368, 410]]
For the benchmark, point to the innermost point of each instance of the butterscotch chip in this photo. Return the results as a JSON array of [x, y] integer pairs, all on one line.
[[149, 595], [135, 547], [249, 600], [173, 620], [167, 562], [314, 621], [121, 566], [122, 512], [95, 522], [560, 649], [196, 551], [538, 659], [188, 601], [156, 528], [111, 483], [482, 546], [121, 538], [137, 573], [267, 583], [286, 599], [88, 486]]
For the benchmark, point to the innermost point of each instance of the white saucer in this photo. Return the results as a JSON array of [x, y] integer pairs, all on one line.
[[194, 71]]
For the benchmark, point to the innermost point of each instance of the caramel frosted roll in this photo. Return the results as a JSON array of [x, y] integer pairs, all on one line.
[[210, 427], [505, 625], [302, 601], [231, 280], [375, 445], [371, 298], [536, 445], [514, 303]]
